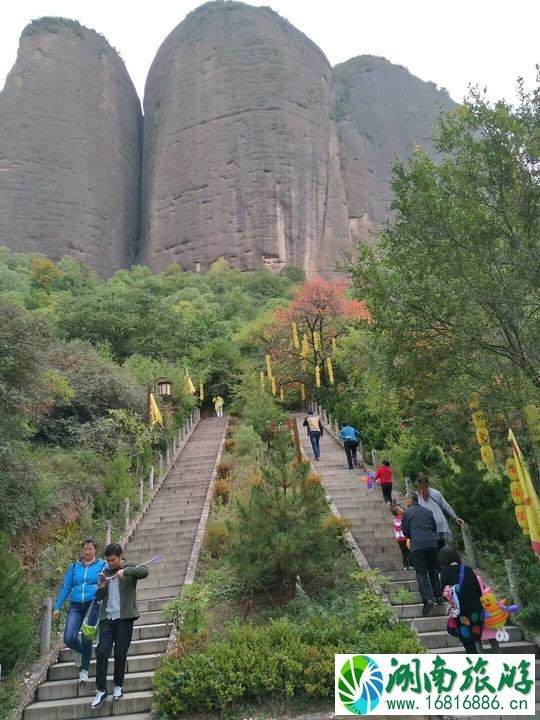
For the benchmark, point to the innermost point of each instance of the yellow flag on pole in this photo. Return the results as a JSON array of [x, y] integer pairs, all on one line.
[[273, 381], [262, 380], [296, 342], [189, 387], [329, 371], [201, 392], [269, 366], [155, 415], [530, 498], [317, 376]]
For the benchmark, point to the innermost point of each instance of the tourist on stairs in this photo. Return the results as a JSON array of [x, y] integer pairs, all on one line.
[[433, 500], [418, 524], [218, 405], [460, 583], [315, 432], [79, 586], [117, 589], [385, 480], [401, 540], [351, 440]]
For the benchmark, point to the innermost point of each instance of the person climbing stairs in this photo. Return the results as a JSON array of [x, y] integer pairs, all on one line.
[[168, 529]]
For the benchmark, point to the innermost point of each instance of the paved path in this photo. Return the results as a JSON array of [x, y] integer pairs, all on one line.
[[169, 529], [371, 527]]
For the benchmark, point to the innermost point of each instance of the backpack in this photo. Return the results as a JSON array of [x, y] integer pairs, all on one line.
[[452, 595]]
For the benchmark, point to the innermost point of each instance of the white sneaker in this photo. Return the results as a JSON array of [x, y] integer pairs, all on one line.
[[98, 701], [118, 692], [83, 676]]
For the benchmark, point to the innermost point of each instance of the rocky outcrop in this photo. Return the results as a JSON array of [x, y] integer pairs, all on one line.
[[381, 111], [240, 149], [70, 148]]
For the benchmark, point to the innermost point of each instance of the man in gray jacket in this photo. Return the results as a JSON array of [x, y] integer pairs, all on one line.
[[418, 524]]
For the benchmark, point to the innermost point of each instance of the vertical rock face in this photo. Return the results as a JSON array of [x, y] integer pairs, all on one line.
[[70, 148], [239, 146], [381, 110]]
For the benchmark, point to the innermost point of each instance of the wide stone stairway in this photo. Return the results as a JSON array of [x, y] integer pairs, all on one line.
[[168, 529], [371, 527]]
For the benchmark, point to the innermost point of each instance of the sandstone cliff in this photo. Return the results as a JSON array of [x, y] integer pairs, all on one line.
[[70, 148], [240, 150], [381, 111]]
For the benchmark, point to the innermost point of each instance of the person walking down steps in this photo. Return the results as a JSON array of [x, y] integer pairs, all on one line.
[[418, 524], [351, 441], [218, 405], [79, 585], [117, 589], [315, 432]]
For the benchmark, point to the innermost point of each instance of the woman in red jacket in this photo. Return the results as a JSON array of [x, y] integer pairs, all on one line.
[[384, 478]]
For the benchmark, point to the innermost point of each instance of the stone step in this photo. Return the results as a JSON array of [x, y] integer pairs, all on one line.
[[430, 623], [400, 575], [164, 580], [149, 618], [135, 664], [75, 708], [153, 604], [510, 648], [412, 600], [63, 689], [415, 611], [159, 593], [138, 647], [396, 585]]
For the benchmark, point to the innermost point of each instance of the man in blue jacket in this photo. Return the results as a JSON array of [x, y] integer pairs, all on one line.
[[79, 586], [351, 440]]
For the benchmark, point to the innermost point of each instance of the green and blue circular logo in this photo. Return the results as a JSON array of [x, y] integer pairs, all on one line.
[[360, 684]]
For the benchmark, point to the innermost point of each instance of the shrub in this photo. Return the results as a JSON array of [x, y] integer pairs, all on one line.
[[187, 613], [338, 525], [230, 445], [216, 538], [16, 627], [17, 483], [117, 486], [222, 490], [223, 470], [284, 658]]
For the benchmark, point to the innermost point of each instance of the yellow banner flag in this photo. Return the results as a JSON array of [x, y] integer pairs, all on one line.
[[155, 415], [330, 371], [269, 366], [317, 376], [201, 392], [281, 395], [304, 352], [262, 379], [530, 498], [316, 340], [273, 381], [189, 387], [302, 391], [296, 343]]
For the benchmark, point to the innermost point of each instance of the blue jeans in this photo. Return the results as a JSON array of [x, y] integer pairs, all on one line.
[[315, 437], [76, 614]]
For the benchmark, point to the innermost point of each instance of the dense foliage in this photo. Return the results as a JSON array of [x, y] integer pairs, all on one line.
[[76, 354]]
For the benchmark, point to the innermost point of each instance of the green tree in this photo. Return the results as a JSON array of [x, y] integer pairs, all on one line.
[[453, 284], [279, 531]]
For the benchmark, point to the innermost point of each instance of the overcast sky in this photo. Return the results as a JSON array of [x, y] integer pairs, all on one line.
[[490, 42]]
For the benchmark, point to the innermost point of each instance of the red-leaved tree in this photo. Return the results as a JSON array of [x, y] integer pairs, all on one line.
[[322, 313]]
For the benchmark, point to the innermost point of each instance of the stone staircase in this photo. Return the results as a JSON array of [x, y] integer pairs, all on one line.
[[168, 528], [371, 527]]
